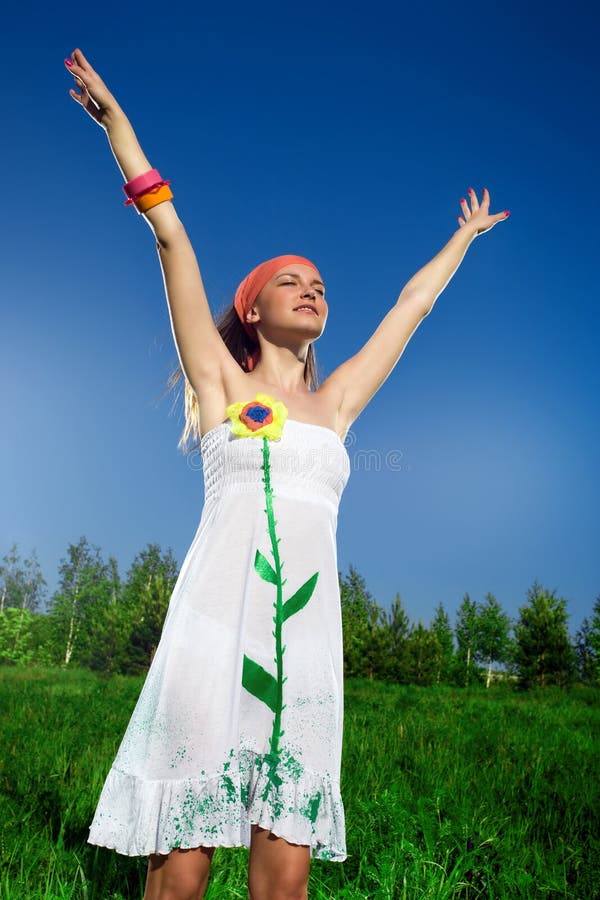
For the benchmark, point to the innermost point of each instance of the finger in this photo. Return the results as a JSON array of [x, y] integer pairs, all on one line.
[[465, 208], [72, 61], [474, 200], [499, 217], [80, 83], [80, 59], [485, 200], [461, 221], [74, 69]]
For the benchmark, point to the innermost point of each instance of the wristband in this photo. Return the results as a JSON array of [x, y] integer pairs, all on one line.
[[148, 200], [141, 183], [145, 191]]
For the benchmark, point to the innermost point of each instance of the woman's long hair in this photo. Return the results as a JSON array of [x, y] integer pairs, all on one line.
[[240, 345]]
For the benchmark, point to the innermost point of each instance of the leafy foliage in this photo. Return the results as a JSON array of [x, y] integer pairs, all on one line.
[[543, 653], [101, 621], [467, 633], [442, 629], [21, 585], [16, 636], [493, 635]]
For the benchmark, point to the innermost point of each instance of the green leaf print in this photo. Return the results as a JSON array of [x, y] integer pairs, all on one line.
[[264, 568], [259, 682], [298, 600]]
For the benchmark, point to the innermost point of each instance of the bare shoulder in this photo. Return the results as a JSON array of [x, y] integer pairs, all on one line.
[[231, 384], [330, 400]]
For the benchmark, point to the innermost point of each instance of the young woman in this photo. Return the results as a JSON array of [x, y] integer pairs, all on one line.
[[236, 738]]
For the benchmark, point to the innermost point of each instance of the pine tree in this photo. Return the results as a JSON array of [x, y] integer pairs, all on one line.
[[146, 595], [423, 652], [357, 622], [442, 629], [595, 636], [587, 646], [107, 627], [398, 628], [587, 658], [379, 647], [543, 652]]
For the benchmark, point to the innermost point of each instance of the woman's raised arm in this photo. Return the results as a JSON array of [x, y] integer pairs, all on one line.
[[202, 352], [360, 377]]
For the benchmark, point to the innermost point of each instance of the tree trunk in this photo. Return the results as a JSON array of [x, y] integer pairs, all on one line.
[[69, 647]]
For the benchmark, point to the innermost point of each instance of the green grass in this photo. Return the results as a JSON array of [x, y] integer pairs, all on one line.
[[448, 793]]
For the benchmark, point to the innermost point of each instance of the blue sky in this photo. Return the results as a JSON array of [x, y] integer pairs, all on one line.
[[346, 134]]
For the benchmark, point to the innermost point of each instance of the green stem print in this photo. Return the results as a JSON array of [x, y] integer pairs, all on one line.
[[262, 684]]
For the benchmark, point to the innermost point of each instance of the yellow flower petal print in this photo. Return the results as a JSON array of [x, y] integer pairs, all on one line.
[[261, 417]]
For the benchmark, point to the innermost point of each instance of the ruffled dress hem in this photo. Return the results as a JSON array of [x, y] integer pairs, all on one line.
[[137, 817]]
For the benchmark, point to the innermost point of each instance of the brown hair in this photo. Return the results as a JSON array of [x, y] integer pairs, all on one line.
[[239, 344]]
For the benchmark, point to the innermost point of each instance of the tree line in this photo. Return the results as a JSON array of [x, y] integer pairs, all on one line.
[[98, 620]]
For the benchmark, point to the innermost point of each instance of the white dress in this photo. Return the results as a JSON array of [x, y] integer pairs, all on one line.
[[240, 718]]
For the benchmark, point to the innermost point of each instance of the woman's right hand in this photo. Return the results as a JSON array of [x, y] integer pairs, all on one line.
[[95, 97]]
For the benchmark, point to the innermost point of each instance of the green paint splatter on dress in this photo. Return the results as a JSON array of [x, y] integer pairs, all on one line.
[[229, 787], [179, 757], [292, 766], [312, 809]]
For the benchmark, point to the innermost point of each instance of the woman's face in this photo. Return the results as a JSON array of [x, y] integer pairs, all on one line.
[[279, 304]]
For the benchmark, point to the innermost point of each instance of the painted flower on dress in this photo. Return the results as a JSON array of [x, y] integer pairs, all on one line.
[[262, 417]]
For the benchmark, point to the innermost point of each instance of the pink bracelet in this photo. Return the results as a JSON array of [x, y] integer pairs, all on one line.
[[151, 190], [141, 183]]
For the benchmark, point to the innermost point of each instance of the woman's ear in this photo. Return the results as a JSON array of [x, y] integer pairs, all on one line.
[[252, 316]]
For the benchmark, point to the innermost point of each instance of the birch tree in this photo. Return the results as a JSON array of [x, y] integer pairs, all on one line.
[[466, 630], [82, 586], [21, 583], [493, 643]]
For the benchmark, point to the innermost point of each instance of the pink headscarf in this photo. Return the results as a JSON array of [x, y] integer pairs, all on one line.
[[250, 288]]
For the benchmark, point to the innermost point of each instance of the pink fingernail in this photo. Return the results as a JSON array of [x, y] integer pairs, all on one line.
[[471, 191], [507, 212], [462, 200], [68, 62]]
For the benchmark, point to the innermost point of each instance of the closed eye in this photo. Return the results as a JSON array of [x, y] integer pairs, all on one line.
[[321, 292]]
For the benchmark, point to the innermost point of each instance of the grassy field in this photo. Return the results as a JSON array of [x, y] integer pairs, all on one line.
[[448, 793]]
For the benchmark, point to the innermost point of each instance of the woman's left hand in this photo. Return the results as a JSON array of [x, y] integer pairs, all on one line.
[[479, 216]]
